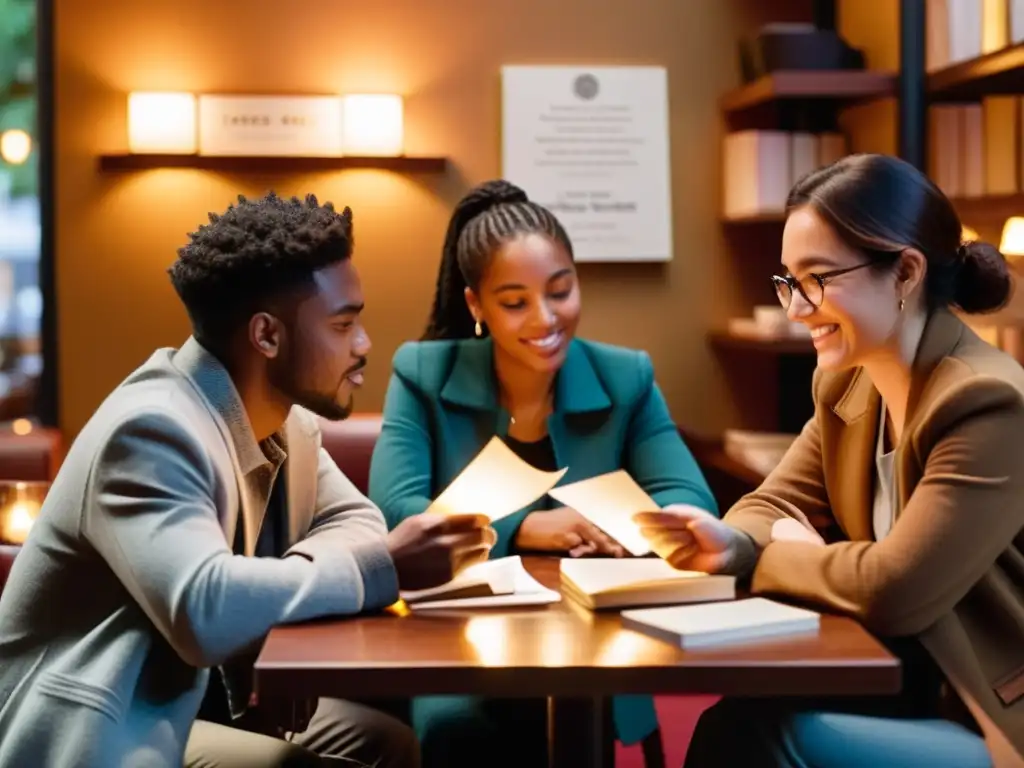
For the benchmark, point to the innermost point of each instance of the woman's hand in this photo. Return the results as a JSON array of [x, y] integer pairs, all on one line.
[[788, 529], [689, 538], [565, 530]]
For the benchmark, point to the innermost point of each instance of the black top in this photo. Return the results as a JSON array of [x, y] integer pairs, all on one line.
[[539, 455]]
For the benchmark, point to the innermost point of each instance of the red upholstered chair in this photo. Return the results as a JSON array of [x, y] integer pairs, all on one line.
[[350, 443], [35, 456], [7, 553]]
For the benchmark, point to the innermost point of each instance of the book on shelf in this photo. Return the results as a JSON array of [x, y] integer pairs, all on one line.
[[697, 626], [499, 583], [598, 584]]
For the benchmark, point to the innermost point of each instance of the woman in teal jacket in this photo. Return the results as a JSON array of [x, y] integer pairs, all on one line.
[[500, 358]]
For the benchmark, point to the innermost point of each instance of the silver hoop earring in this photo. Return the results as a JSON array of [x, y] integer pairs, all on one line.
[[480, 331]]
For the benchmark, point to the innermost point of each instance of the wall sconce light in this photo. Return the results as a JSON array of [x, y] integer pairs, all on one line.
[[15, 146], [372, 124], [1012, 242], [20, 503], [162, 123]]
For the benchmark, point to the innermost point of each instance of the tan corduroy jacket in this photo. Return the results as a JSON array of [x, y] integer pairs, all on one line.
[[951, 571]]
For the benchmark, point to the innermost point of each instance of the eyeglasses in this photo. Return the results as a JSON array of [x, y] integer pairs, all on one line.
[[811, 287]]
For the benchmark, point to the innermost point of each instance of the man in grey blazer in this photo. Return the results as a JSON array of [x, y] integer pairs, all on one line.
[[197, 509]]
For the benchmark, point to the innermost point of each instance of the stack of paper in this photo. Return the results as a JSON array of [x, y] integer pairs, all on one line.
[[494, 584], [598, 584], [694, 626]]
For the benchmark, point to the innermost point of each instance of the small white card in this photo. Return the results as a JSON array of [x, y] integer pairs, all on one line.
[[496, 483], [609, 501], [276, 126]]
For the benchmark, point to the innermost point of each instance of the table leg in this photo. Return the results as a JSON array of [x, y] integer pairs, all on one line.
[[580, 733]]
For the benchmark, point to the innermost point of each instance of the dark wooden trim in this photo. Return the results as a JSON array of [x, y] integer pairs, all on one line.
[[246, 164], [770, 346], [912, 104], [48, 393]]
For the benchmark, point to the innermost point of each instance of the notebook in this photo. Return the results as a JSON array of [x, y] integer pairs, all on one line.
[[609, 501], [697, 626], [499, 583], [627, 582], [495, 483]]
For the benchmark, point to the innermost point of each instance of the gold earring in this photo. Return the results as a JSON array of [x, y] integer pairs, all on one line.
[[478, 329], [901, 305]]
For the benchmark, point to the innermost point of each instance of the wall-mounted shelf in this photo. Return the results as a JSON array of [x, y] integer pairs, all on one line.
[[764, 345], [239, 164], [999, 72], [990, 208], [755, 218], [832, 85]]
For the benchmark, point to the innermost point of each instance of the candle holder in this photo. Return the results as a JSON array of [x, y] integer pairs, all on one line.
[[20, 502]]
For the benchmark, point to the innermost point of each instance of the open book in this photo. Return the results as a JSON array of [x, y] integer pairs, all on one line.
[[620, 583], [500, 583], [694, 626]]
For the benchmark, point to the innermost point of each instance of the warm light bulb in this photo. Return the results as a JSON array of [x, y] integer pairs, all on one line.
[[21, 426], [1012, 242], [15, 146], [372, 124], [162, 123]]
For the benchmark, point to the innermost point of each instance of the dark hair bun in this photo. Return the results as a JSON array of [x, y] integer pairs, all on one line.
[[984, 282], [497, 192]]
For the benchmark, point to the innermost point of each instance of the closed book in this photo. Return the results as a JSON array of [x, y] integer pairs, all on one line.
[[629, 582], [696, 626]]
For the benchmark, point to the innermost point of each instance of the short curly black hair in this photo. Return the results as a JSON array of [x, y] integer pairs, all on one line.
[[254, 252]]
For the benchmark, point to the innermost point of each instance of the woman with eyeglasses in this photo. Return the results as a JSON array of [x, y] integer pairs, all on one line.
[[901, 503]]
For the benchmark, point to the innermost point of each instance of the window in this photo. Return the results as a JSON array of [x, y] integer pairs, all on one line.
[[22, 297]]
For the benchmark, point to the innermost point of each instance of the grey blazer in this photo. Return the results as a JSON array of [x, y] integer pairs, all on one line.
[[127, 591]]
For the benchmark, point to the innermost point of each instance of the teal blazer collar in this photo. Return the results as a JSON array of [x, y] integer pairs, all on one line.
[[471, 382]]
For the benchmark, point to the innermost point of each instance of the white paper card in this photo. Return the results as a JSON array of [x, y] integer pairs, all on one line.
[[609, 501], [279, 126], [496, 483]]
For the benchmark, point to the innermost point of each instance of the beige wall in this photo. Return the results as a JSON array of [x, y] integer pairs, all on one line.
[[117, 233]]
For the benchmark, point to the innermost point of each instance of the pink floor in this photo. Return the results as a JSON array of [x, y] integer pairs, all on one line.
[[678, 716]]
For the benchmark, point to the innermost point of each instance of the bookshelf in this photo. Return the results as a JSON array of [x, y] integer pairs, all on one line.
[[770, 377]]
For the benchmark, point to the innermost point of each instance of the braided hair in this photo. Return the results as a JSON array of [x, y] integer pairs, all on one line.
[[491, 215]]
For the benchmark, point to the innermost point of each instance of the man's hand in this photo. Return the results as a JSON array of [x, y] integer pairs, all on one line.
[[565, 530], [430, 549]]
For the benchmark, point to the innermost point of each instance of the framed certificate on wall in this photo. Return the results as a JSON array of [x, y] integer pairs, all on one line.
[[592, 145]]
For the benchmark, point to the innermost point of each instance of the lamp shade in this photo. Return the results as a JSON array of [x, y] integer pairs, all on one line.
[[162, 123], [1012, 242], [372, 124]]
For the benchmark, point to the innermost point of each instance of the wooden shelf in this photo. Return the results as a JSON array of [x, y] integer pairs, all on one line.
[[770, 346], [999, 72], [836, 85], [757, 218], [240, 164], [989, 209]]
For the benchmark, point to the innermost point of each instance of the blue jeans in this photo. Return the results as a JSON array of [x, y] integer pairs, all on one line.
[[779, 733]]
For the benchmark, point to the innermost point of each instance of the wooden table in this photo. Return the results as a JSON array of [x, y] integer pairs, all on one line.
[[573, 656]]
